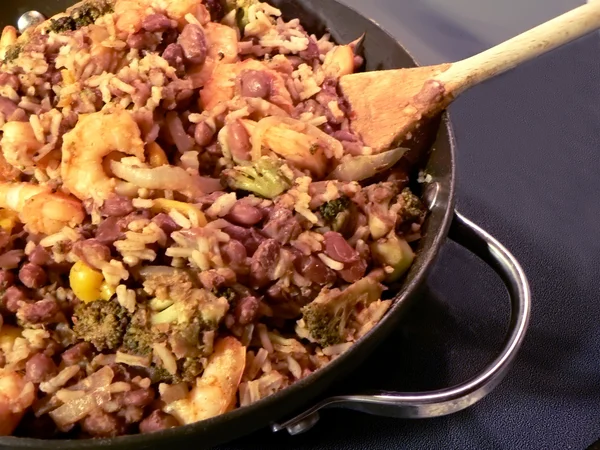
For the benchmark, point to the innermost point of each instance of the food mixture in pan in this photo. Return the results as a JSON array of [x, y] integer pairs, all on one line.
[[188, 224]]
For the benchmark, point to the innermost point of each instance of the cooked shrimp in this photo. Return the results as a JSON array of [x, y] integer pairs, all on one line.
[[215, 391], [9, 37], [7, 171], [40, 209], [19, 144], [221, 86], [16, 395], [222, 48], [94, 137], [131, 13]]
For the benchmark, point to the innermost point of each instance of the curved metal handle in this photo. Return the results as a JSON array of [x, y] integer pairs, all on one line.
[[447, 401]]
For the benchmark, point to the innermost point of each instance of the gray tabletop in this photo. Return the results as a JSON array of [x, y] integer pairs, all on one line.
[[528, 169]]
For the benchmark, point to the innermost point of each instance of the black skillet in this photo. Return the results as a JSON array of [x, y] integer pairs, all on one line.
[[281, 410]]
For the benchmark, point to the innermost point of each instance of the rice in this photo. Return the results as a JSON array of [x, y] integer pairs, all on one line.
[[202, 258]]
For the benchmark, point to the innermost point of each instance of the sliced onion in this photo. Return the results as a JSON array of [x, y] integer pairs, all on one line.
[[182, 140], [74, 411], [169, 178], [335, 148], [99, 379], [358, 168]]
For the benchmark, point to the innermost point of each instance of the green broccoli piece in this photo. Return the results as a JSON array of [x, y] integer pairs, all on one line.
[[413, 208], [189, 369], [241, 10], [226, 292], [331, 209], [84, 15], [394, 252], [139, 335], [102, 323], [62, 25], [263, 178], [325, 319], [13, 52]]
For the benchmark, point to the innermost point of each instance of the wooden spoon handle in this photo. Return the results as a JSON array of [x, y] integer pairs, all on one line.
[[524, 47]]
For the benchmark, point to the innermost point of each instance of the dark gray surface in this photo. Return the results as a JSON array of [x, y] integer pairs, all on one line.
[[528, 168]]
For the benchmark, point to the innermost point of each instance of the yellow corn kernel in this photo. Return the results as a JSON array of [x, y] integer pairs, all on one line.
[[165, 205], [67, 77], [85, 282], [8, 219], [8, 334], [107, 291], [156, 155]]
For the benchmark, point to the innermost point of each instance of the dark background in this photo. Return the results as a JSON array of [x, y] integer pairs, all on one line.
[[529, 173]]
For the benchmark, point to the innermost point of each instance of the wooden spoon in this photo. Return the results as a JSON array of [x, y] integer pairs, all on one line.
[[388, 106]]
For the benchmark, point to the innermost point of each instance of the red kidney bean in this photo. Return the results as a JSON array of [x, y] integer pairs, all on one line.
[[7, 107], [249, 237], [165, 222], [76, 354], [13, 297], [246, 310], [203, 134], [312, 268], [354, 271], [255, 83], [157, 421], [139, 397], [173, 54], [7, 279], [264, 261], [92, 252], [39, 312], [142, 94], [141, 40], [311, 52], [238, 140], [157, 22], [40, 256], [244, 214], [9, 79], [109, 231], [193, 43], [40, 368], [101, 424], [235, 256], [282, 226], [214, 279], [11, 259], [336, 247], [32, 276], [117, 206]]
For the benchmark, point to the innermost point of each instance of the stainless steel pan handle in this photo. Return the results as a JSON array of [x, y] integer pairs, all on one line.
[[447, 401]]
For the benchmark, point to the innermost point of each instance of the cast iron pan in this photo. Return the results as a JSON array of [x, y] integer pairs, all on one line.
[[381, 51]]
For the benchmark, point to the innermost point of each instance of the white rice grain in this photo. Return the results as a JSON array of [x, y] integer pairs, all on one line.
[[331, 263]]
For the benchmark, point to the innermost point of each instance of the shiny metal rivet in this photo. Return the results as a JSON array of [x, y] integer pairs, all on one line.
[[430, 194], [29, 19], [303, 425]]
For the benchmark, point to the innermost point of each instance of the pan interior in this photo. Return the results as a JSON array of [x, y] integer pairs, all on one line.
[[381, 51]]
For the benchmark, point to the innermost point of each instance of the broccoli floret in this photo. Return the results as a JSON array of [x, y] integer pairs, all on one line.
[[241, 10], [139, 336], [62, 25], [413, 208], [102, 323], [13, 52], [226, 292], [325, 319], [84, 15], [332, 208], [263, 178], [393, 252], [189, 369]]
